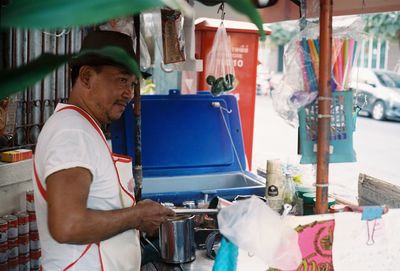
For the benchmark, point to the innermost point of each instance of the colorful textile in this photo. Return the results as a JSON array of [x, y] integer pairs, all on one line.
[[372, 212], [226, 259], [315, 241]]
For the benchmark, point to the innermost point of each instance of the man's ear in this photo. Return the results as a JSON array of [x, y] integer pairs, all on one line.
[[85, 74]]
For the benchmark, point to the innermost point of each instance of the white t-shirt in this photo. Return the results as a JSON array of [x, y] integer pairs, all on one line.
[[68, 140]]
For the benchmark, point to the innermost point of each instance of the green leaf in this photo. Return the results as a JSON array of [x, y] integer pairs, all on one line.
[[247, 8], [281, 34], [15, 80], [384, 25], [118, 55], [56, 14]]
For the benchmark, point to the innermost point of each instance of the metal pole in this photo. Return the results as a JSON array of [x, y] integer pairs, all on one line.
[[138, 172], [302, 25], [324, 105]]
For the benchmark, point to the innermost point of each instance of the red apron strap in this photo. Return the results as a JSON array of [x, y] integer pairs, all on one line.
[[101, 259], [121, 158], [94, 124], [74, 262], [89, 118], [97, 128], [44, 193], [123, 188], [38, 183], [91, 121]]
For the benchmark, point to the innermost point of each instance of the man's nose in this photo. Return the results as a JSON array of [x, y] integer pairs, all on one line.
[[128, 92]]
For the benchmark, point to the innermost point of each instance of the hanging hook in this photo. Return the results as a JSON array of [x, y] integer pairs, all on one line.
[[222, 9]]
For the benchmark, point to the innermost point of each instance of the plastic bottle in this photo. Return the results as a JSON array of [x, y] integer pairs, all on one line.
[[275, 185], [289, 194]]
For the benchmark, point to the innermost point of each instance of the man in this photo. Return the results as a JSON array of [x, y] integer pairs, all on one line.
[[87, 217]]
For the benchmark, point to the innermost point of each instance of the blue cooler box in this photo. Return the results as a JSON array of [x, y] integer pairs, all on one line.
[[187, 152]]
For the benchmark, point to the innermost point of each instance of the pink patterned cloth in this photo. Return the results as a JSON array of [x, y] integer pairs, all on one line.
[[315, 241]]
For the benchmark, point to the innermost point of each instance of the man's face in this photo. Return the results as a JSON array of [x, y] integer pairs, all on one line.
[[110, 92]]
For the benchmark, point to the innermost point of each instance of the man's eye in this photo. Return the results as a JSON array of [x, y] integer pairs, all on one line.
[[123, 80]]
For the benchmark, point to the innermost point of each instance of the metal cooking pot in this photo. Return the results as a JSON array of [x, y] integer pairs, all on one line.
[[177, 240]]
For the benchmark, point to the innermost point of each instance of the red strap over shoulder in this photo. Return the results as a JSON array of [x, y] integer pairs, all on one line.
[[88, 117], [38, 183], [119, 157], [44, 193]]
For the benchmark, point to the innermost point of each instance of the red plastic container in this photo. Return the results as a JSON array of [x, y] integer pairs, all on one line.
[[244, 41]]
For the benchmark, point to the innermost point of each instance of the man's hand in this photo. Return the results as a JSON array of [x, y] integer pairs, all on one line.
[[150, 215]]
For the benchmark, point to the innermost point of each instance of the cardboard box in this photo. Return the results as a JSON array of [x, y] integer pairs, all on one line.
[[16, 155]]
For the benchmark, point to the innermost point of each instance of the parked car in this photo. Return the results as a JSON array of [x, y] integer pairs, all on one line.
[[377, 92]]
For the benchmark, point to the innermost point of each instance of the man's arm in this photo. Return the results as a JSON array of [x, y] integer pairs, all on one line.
[[70, 221]]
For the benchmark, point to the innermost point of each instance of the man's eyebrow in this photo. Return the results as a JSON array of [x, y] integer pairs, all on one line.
[[126, 72]]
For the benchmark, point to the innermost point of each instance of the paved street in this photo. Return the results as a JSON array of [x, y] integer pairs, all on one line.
[[376, 143]]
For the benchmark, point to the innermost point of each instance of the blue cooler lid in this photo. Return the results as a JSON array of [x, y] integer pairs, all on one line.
[[183, 134]]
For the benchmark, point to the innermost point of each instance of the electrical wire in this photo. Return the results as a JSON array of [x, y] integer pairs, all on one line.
[[57, 35], [221, 108]]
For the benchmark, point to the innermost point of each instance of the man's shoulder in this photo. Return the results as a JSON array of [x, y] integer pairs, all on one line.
[[67, 124], [66, 120]]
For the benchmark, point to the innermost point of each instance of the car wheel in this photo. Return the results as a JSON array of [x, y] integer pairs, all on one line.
[[378, 110]]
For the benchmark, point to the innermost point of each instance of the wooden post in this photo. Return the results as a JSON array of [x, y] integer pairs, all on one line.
[[138, 172], [324, 105]]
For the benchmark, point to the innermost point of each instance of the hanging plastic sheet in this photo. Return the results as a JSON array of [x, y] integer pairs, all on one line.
[[299, 85]]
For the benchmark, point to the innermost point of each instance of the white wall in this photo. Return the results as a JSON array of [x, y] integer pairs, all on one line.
[[15, 180]]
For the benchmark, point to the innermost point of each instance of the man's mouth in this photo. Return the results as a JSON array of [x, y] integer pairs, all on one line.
[[122, 104]]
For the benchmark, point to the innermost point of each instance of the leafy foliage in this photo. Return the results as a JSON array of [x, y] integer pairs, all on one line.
[[385, 25], [246, 7], [51, 14], [15, 80], [281, 34]]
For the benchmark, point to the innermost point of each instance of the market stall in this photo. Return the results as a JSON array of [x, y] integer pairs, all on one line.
[[207, 161]]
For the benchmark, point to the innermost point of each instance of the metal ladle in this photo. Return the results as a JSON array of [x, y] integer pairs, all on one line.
[[187, 211]]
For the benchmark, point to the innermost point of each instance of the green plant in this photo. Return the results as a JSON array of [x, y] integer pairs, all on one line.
[[282, 34], [50, 14], [385, 25]]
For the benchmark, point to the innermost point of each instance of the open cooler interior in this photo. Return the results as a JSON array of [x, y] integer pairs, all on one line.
[[203, 183], [192, 145]]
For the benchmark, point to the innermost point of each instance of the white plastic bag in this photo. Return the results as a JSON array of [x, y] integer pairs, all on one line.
[[220, 71], [253, 226]]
